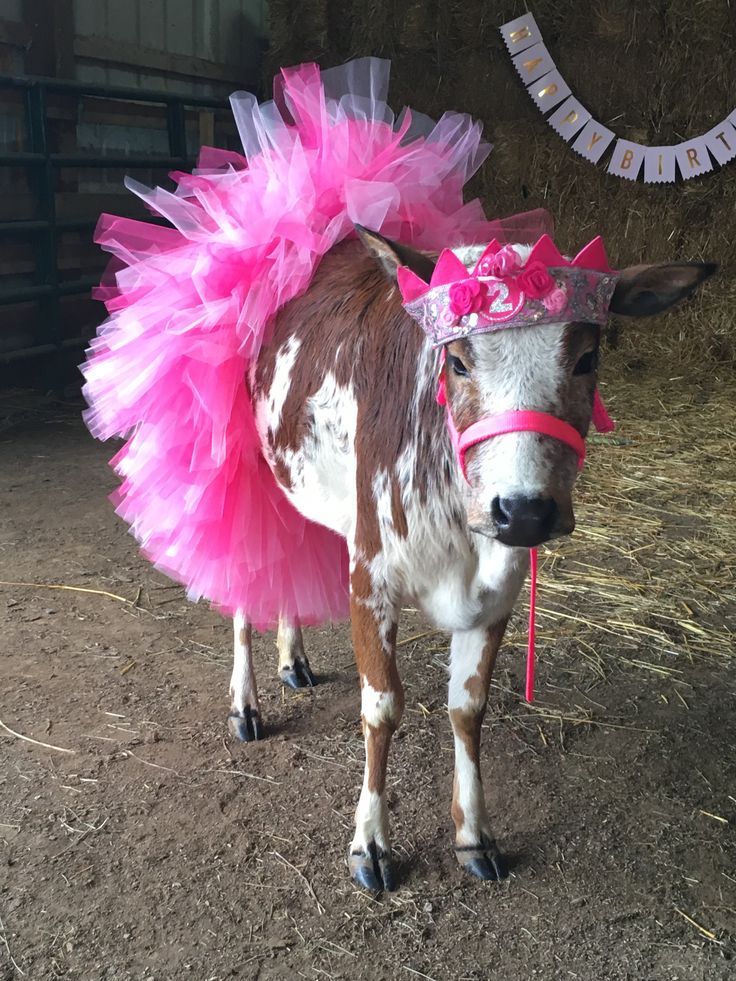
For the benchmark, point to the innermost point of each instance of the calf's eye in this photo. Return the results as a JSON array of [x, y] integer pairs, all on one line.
[[586, 364], [457, 366]]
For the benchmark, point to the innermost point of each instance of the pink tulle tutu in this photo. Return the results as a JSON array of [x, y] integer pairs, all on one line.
[[190, 306]]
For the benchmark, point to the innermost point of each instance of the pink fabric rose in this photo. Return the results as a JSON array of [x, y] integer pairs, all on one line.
[[535, 280], [556, 301], [447, 318], [467, 296], [501, 264]]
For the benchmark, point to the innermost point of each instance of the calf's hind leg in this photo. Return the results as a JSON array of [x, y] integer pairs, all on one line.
[[244, 720], [382, 704], [294, 669], [472, 658]]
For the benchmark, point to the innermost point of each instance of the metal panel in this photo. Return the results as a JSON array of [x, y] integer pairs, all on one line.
[[181, 27], [11, 10], [90, 18], [152, 23]]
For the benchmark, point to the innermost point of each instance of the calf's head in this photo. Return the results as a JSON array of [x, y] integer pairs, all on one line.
[[519, 485]]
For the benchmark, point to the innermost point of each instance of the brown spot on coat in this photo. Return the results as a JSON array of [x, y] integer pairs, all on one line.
[[374, 641], [466, 725], [377, 745], [478, 684], [374, 629]]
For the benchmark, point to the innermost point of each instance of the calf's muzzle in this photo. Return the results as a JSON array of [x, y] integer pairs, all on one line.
[[526, 522]]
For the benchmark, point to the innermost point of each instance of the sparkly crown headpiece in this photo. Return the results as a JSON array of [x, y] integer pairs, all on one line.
[[504, 291]]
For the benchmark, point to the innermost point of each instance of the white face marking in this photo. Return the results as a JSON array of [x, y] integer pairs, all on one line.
[[520, 368]]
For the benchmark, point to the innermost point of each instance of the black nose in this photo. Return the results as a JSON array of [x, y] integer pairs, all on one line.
[[524, 521]]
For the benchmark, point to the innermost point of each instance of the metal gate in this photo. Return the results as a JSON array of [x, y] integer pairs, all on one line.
[[42, 166]]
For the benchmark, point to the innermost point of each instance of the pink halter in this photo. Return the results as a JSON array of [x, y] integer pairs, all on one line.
[[521, 421]]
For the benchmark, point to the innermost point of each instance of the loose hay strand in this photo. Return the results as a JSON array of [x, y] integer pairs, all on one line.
[[36, 742], [305, 880], [73, 589], [706, 933], [4, 939]]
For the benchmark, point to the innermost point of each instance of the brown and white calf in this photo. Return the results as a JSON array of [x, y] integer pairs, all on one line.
[[345, 401]]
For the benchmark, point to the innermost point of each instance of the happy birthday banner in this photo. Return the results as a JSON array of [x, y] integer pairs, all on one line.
[[573, 122]]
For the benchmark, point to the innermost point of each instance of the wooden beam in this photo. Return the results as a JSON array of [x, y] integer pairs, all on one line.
[[40, 58], [63, 13], [132, 56], [51, 46]]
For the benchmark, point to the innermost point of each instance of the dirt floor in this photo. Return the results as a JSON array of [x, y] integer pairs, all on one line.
[[155, 848]]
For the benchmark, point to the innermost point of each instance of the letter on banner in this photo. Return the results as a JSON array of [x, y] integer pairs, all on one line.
[[548, 90], [659, 165], [693, 158], [533, 63], [593, 141], [521, 34], [626, 159], [568, 118], [721, 141]]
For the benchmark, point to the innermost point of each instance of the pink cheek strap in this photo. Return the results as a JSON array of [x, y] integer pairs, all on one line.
[[522, 421]]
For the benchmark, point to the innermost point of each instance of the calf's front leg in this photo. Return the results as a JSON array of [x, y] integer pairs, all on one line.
[[472, 658], [374, 622]]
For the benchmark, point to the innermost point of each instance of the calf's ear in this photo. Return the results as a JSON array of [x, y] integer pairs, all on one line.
[[645, 290], [392, 255]]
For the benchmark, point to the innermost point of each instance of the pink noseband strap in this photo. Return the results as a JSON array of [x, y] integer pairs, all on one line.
[[523, 421]]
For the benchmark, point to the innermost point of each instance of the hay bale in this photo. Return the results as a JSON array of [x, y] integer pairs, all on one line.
[[654, 77]]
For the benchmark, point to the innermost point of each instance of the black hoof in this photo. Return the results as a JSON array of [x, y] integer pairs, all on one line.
[[373, 870], [299, 675], [245, 726], [484, 861]]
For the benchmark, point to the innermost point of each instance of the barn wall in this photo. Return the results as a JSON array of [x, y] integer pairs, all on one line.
[[14, 36], [178, 44], [656, 74], [187, 47], [202, 47]]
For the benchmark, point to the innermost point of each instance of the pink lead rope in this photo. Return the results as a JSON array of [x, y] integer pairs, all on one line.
[[531, 648], [523, 420]]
